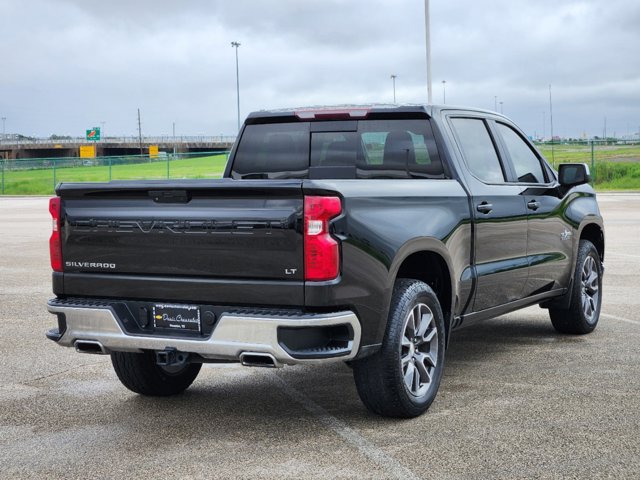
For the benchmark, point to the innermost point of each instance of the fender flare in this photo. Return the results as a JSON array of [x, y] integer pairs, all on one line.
[[418, 245]]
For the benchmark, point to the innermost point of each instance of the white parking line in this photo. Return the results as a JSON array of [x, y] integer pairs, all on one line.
[[394, 468], [622, 319]]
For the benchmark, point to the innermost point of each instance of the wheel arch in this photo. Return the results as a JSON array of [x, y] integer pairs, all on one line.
[[591, 229], [594, 232], [427, 260]]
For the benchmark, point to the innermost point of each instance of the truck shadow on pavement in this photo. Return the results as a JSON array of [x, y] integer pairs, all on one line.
[[246, 398]]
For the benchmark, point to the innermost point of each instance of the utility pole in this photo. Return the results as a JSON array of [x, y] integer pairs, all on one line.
[[428, 42], [140, 133], [174, 139], [236, 45], [544, 125], [605, 129], [553, 155], [393, 78], [444, 92]]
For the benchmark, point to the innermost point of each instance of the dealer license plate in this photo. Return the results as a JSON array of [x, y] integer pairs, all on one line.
[[177, 317]]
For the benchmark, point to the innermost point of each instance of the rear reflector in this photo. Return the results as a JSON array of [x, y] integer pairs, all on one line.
[[55, 245], [321, 250]]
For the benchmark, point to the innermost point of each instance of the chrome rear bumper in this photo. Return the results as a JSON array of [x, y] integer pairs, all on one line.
[[235, 335]]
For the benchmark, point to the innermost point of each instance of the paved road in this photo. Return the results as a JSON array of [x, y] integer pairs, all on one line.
[[517, 400]]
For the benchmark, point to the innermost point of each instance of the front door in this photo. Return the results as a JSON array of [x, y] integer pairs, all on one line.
[[550, 234]]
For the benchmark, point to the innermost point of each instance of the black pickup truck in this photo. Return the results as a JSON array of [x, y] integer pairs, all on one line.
[[356, 234]]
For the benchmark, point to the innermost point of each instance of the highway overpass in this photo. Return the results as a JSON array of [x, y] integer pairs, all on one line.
[[17, 148]]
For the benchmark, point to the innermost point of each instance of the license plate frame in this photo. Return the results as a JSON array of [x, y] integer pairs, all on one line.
[[177, 317]]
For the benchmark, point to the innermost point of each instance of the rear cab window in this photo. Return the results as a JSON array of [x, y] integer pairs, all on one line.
[[371, 148]]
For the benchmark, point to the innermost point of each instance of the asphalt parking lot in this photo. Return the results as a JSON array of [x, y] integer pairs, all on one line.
[[517, 400]]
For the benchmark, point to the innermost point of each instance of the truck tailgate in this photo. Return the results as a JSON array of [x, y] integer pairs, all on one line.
[[218, 229]]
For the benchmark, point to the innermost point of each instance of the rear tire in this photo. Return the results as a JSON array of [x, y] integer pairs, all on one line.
[[583, 313], [402, 378], [140, 374]]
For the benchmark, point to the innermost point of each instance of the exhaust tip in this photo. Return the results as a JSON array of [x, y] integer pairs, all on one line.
[[89, 346], [254, 359]]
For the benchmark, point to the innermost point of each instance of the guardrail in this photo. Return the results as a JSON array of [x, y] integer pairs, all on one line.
[[169, 139]]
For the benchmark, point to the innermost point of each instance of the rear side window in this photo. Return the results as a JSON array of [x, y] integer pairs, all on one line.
[[478, 149], [525, 161], [370, 149]]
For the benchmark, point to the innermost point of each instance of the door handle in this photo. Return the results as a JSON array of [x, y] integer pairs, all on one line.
[[533, 205], [484, 207]]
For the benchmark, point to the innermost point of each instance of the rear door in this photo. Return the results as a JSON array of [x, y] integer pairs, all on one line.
[[500, 217]]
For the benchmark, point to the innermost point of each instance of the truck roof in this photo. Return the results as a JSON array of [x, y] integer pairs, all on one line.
[[355, 111]]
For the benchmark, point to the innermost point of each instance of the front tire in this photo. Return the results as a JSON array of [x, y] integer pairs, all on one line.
[[402, 378], [140, 374], [583, 312]]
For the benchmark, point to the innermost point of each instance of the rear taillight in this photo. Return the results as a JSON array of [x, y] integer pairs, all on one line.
[[321, 250], [55, 245]]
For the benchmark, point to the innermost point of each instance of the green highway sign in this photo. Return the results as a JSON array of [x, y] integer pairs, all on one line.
[[93, 134]]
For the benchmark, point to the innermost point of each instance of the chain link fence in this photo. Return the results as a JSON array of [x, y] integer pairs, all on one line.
[[39, 176], [613, 164]]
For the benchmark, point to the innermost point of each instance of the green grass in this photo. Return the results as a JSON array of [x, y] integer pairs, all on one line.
[[617, 167], [564, 153], [617, 175], [613, 169], [40, 181]]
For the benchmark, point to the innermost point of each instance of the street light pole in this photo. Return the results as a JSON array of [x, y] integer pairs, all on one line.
[[393, 78], [236, 45], [444, 92], [501, 109], [174, 139], [4, 119], [495, 103], [553, 155], [428, 42]]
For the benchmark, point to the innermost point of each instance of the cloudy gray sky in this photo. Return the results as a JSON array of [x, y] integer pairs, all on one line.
[[67, 65]]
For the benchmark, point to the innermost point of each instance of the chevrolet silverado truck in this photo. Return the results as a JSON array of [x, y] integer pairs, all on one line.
[[361, 234]]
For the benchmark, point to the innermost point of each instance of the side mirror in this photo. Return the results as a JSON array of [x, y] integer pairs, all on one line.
[[572, 174]]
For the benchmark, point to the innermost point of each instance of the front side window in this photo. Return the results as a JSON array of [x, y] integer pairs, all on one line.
[[525, 161], [478, 149]]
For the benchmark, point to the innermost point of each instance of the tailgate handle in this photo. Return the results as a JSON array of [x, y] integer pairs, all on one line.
[[169, 196]]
